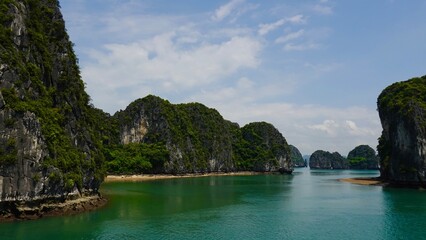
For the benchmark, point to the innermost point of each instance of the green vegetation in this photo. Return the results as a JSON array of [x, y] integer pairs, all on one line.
[[135, 158]]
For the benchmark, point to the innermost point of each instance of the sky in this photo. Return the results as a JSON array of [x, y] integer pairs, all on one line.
[[312, 68]]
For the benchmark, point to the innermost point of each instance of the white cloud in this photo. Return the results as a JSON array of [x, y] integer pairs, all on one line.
[[290, 36], [225, 10], [266, 28], [328, 126], [160, 63]]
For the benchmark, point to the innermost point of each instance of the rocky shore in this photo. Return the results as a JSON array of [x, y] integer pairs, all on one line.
[[45, 208]]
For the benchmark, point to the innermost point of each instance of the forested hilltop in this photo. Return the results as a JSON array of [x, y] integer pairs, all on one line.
[[55, 145]]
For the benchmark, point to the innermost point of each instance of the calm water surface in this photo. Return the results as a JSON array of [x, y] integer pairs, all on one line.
[[307, 205]]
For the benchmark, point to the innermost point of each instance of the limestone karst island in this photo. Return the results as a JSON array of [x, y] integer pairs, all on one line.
[[56, 148]]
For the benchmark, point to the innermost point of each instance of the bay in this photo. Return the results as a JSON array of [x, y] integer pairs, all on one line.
[[310, 204]]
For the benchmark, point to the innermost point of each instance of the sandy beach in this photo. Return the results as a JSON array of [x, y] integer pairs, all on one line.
[[150, 177], [364, 181]]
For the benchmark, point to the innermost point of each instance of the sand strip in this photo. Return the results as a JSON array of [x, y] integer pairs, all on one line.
[[364, 181], [150, 177]]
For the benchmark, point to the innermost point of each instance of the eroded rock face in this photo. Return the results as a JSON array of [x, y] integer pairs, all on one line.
[[47, 148], [402, 146]]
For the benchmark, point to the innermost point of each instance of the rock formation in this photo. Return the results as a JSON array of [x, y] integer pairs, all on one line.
[[363, 157], [325, 160], [296, 157], [198, 139], [48, 145], [263, 148], [402, 145]]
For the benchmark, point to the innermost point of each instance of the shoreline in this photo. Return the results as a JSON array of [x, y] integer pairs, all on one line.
[[27, 211], [364, 181], [151, 177]]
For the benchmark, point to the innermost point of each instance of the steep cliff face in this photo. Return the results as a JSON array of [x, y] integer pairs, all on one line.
[[48, 143], [197, 139], [363, 157], [325, 160], [296, 157], [402, 145]]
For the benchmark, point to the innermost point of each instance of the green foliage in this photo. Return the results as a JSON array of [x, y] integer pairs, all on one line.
[[404, 97], [135, 158], [356, 160]]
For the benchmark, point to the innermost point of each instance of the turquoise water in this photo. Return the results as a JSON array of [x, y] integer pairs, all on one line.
[[307, 205]]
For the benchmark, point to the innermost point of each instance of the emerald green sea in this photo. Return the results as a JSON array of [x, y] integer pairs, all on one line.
[[310, 204]]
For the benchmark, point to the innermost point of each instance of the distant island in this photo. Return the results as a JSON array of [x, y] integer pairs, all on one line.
[[361, 157]]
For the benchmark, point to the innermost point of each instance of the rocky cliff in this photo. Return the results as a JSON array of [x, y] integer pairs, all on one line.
[[402, 145], [296, 157], [363, 157], [192, 138], [325, 160], [49, 146]]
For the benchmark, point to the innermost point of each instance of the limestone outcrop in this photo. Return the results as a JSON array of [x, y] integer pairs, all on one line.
[[197, 139], [49, 146], [363, 157], [402, 145], [325, 160]]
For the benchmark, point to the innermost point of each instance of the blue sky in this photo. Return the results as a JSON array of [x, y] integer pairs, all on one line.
[[313, 68]]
